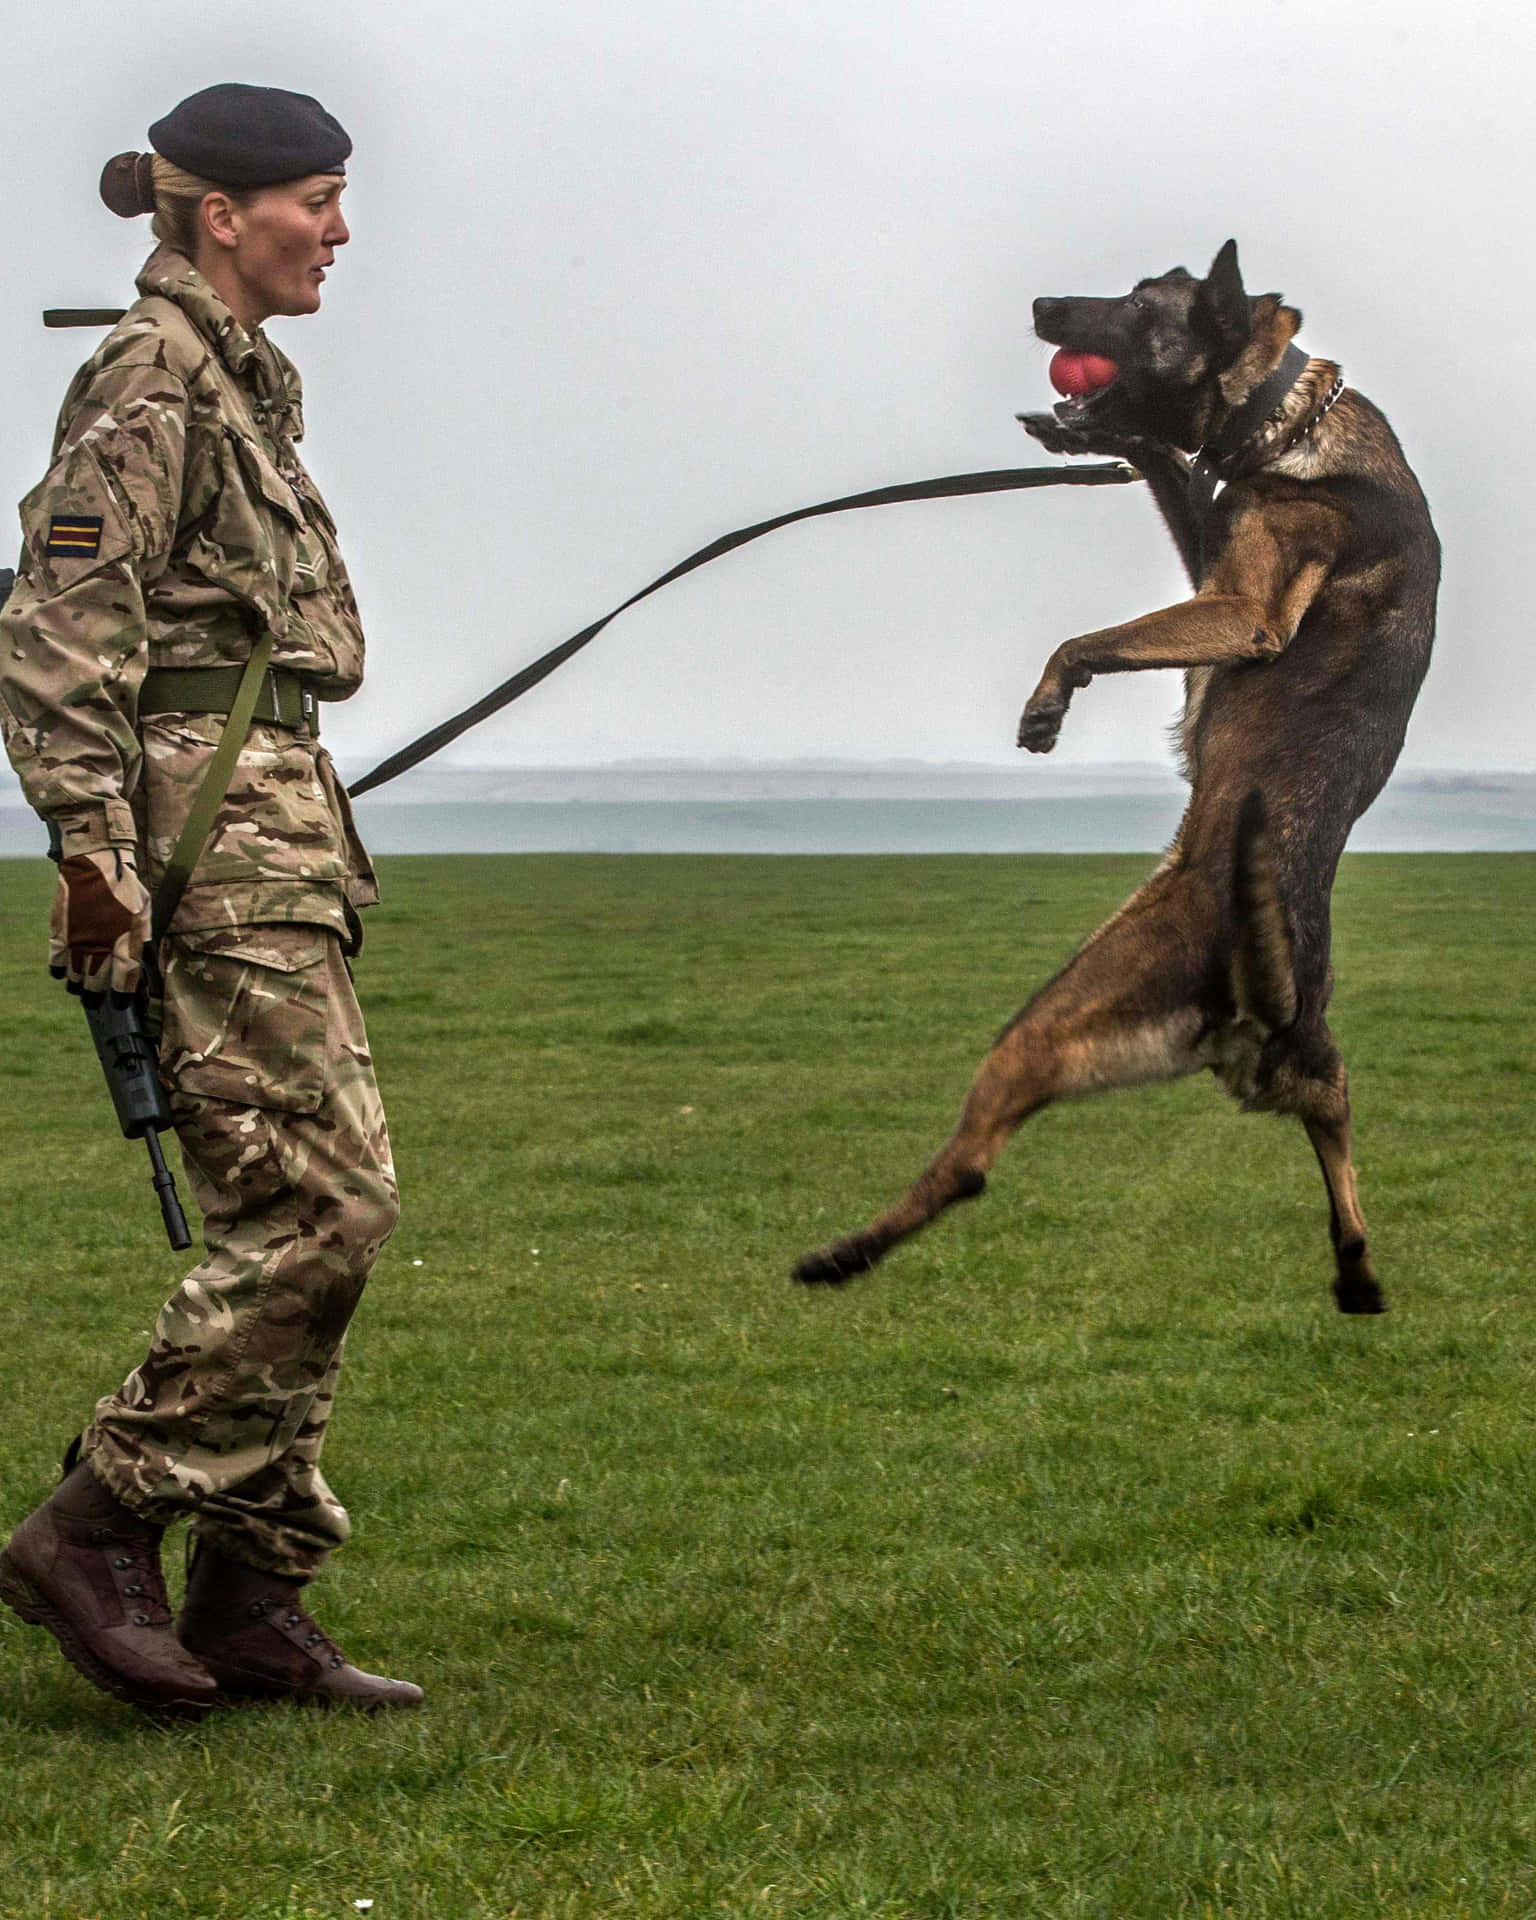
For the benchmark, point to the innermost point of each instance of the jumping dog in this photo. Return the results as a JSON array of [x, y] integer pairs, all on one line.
[[1315, 566]]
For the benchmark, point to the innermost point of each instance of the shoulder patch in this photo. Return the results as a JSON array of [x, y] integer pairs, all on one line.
[[75, 534]]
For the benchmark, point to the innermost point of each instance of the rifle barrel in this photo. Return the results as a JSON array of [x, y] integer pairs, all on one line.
[[165, 1189]]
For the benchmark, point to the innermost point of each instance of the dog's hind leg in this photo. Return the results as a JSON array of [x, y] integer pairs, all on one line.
[[1311, 1083], [1124, 1011], [1355, 1286], [1326, 1119]]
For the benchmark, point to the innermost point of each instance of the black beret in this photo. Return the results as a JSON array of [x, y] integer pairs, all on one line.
[[251, 136]]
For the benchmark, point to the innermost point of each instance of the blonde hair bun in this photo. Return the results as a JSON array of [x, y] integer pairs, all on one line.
[[128, 184]]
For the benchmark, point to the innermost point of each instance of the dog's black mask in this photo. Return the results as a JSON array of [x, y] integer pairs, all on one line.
[[1170, 338]]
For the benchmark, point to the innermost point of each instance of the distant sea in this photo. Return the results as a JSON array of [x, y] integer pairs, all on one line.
[[849, 807]]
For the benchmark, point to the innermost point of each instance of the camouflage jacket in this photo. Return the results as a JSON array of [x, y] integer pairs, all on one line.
[[174, 524]]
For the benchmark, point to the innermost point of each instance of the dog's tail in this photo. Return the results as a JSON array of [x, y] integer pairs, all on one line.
[[1263, 966]]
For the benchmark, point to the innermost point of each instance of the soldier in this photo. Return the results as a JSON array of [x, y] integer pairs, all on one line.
[[174, 527]]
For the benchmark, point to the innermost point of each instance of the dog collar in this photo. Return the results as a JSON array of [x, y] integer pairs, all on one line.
[[1325, 405], [1223, 453], [1214, 465]]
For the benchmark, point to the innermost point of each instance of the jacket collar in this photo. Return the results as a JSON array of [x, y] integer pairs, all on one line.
[[249, 356]]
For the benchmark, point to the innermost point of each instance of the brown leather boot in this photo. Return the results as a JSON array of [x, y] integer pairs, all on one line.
[[251, 1632], [88, 1569]]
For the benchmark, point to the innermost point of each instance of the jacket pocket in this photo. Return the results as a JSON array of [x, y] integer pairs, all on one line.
[[276, 821], [246, 1015], [248, 544]]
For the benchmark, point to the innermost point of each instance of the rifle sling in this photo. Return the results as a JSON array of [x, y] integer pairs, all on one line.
[[210, 795]]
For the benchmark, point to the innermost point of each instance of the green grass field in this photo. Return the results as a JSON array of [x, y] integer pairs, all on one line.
[[1081, 1561]]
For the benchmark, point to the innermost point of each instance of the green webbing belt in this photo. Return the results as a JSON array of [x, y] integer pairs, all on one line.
[[282, 700], [210, 795]]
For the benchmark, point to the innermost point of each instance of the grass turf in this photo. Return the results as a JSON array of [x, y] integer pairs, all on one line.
[[1081, 1561]]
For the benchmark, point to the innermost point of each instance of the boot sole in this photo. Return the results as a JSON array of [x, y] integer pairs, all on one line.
[[244, 1693], [238, 1686], [24, 1600]]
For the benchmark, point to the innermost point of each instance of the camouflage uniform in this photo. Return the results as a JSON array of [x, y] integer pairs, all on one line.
[[175, 523]]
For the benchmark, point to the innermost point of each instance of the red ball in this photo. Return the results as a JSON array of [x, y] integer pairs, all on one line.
[[1076, 374]]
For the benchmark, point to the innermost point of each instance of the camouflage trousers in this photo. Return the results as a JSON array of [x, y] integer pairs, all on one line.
[[283, 1137]]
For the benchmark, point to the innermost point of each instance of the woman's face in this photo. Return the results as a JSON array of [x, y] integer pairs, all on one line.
[[272, 251]]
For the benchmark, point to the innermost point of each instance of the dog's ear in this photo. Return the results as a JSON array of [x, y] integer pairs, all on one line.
[[1270, 332], [1224, 309], [1224, 282]]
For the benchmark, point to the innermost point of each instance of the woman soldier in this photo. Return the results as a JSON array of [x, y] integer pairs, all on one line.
[[175, 528]]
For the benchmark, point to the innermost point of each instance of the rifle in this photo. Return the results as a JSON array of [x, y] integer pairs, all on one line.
[[125, 1031], [130, 1060]]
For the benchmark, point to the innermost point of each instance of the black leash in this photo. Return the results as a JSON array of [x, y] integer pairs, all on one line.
[[1003, 480]]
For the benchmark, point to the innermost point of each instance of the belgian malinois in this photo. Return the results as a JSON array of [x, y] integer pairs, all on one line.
[[1315, 568]]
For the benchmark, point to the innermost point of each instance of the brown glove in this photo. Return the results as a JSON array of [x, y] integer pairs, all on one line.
[[100, 922]]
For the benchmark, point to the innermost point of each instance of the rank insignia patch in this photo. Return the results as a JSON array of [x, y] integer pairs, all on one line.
[[75, 534]]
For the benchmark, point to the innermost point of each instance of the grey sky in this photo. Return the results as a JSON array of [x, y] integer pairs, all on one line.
[[623, 278]]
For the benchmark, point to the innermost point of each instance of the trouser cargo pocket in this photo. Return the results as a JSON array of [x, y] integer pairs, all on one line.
[[246, 1015]]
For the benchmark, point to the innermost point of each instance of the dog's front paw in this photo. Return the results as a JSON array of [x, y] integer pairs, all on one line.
[[1041, 721]]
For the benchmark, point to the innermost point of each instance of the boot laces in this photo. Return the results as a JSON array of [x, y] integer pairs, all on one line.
[[295, 1621], [133, 1554]]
